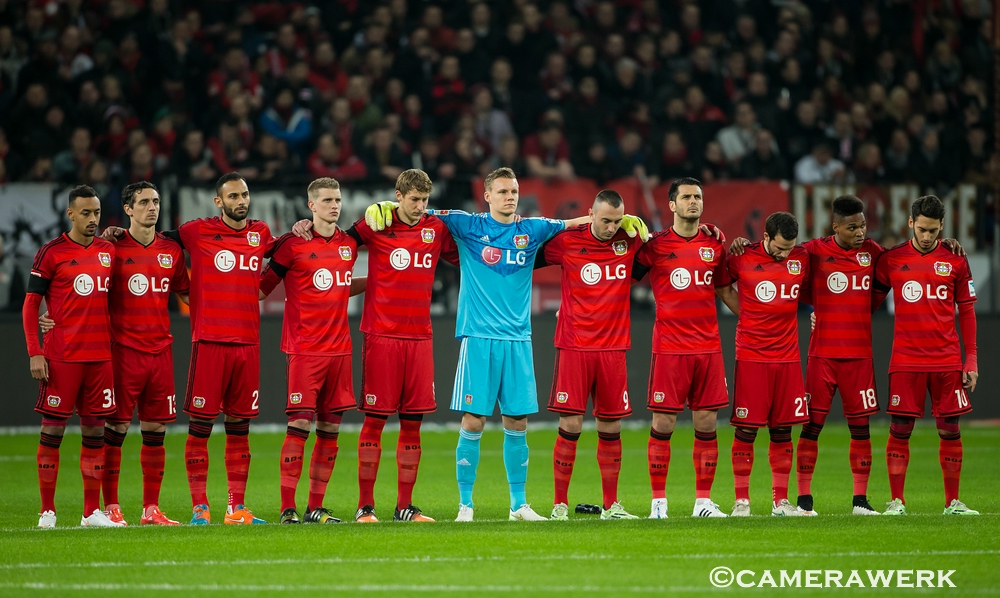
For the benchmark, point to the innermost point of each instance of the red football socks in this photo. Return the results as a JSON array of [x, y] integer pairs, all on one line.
[[196, 460], [743, 462], [407, 460], [897, 458], [237, 460], [705, 455], [92, 468], [48, 469], [950, 455], [805, 464], [369, 454], [113, 441], [563, 460], [658, 455], [291, 464], [324, 457], [609, 460], [152, 457]]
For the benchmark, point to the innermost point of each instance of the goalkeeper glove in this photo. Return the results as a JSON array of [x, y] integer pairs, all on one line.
[[378, 216], [634, 225]]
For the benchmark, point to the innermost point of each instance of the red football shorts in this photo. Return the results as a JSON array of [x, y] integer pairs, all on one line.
[[769, 395], [319, 384], [908, 394], [854, 378], [144, 380], [223, 377], [397, 375], [698, 381], [580, 375], [87, 386]]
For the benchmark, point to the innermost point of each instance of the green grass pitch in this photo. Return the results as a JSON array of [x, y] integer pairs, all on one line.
[[493, 556]]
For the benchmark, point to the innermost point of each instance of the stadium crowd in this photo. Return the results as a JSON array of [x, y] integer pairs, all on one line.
[[108, 93]]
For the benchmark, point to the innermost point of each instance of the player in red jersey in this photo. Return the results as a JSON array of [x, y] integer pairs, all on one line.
[[592, 334], [928, 283], [687, 269], [226, 254], [396, 324], [318, 276], [147, 267], [72, 274], [769, 390]]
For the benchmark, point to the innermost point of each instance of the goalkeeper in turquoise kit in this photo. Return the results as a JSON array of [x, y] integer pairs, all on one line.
[[495, 363]]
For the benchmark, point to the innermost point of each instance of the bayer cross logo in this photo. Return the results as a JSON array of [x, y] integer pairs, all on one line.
[[322, 279], [680, 279], [912, 291], [590, 274], [837, 282], [138, 285], [766, 291], [225, 261], [83, 285]]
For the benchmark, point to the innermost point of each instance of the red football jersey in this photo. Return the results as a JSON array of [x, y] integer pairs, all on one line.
[[926, 289], [767, 329], [596, 288], [317, 276], [141, 282], [684, 274], [401, 264], [840, 291], [225, 279], [76, 281]]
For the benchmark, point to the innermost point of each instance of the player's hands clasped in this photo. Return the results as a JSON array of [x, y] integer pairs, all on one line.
[[633, 225], [378, 216]]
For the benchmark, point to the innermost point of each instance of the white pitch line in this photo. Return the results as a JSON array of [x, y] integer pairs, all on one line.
[[527, 557], [453, 588]]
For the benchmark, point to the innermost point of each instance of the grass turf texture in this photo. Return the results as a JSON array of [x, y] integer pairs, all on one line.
[[493, 556]]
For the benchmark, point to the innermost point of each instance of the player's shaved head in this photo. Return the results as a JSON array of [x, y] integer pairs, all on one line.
[[610, 197], [847, 205], [81, 191]]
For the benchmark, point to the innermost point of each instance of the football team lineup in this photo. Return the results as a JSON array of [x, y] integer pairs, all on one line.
[[105, 349]]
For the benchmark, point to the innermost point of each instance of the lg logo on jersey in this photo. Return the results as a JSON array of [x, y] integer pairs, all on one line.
[[226, 260], [324, 280], [913, 291], [680, 278], [401, 259], [139, 284], [591, 273], [766, 291], [84, 285], [837, 283], [492, 255]]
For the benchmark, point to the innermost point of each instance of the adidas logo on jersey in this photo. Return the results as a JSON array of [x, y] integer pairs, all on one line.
[[129, 261], [672, 256], [485, 238], [391, 235], [313, 256], [217, 238], [583, 250], [758, 268], [73, 263], [831, 259], [905, 268]]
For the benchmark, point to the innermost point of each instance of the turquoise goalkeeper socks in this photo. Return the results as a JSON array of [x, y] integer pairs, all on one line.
[[466, 463], [515, 459]]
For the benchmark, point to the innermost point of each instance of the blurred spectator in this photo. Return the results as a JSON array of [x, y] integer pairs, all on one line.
[[764, 162], [235, 67], [509, 155], [554, 78], [546, 153], [448, 95], [737, 140], [442, 37], [714, 166], [867, 167], [976, 157], [944, 69], [431, 160], [595, 162], [140, 166], [473, 61], [325, 74], [270, 157], [627, 157], [327, 161], [803, 133], [933, 168], [68, 164], [841, 137], [383, 157], [49, 138], [288, 48], [287, 121], [192, 161], [491, 124], [13, 163], [819, 166], [897, 158], [674, 160]]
